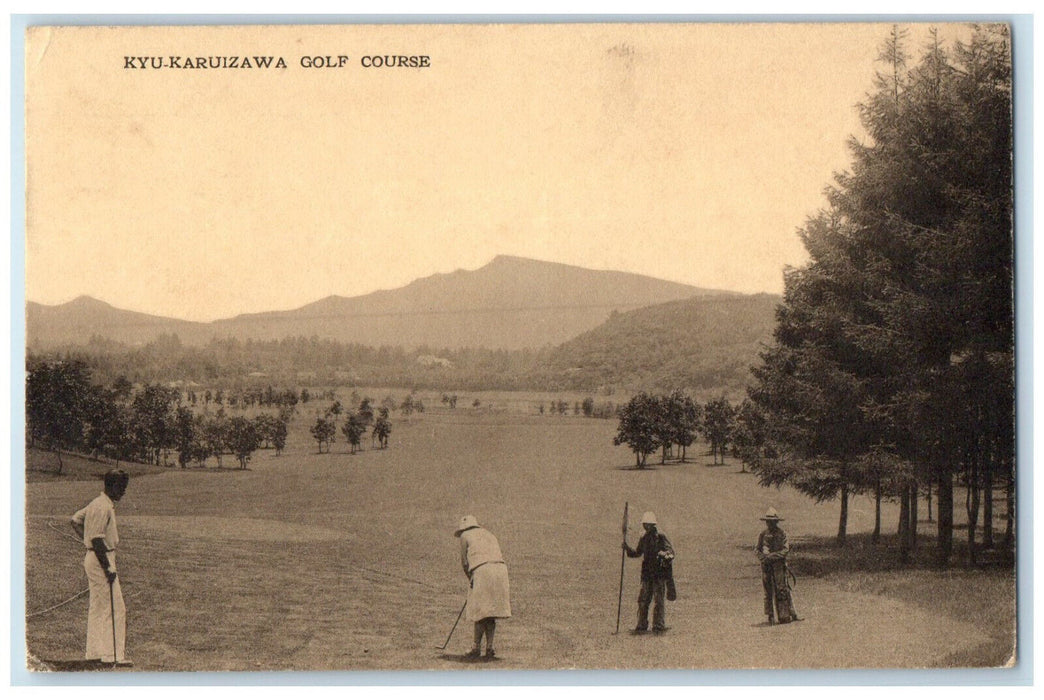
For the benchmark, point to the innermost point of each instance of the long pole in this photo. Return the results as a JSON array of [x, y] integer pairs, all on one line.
[[623, 554], [112, 610]]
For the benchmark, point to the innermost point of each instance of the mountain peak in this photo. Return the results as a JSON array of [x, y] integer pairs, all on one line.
[[519, 260], [499, 259], [84, 301]]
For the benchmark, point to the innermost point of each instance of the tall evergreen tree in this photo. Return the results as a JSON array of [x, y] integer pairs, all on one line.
[[897, 336], [930, 200]]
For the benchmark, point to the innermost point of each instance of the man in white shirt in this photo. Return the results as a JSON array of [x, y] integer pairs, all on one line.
[[96, 526]]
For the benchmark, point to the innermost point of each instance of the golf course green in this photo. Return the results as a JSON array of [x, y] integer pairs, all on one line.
[[332, 561]]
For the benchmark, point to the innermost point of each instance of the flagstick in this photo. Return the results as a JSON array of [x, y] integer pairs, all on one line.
[[623, 553]]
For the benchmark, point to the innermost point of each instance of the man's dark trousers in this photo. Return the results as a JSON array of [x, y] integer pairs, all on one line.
[[653, 590]]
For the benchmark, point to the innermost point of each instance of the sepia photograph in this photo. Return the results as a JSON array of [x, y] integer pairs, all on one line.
[[474, 347]]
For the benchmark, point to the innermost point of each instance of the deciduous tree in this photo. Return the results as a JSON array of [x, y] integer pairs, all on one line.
[[242, 439], [353, 430], [639, 427], [323, 431], [716, 425]]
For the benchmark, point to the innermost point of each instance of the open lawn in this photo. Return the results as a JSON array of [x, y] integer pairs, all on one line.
[[338, 561]]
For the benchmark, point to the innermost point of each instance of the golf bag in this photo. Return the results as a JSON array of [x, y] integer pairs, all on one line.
[[665, 565], [778, 599], [672, 591]]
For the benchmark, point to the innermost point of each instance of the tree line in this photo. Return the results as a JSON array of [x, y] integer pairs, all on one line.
[[891, 366], [703, 345], [357, 422], [245, 366], [891, 370], [267, 397], [66, 410], [587, 408], [651, 422]]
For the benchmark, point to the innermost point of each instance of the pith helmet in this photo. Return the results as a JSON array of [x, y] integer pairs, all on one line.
[[466, 523], [771, 514], [648, 518]]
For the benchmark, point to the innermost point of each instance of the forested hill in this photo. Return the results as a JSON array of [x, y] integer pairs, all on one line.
[[701, 344], [704, 345]]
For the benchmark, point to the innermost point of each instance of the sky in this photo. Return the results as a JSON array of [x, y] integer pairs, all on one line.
[[687, 152]]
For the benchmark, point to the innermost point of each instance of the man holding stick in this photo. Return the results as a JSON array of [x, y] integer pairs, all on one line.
[[95, 524], [657, 574], [772, 550]]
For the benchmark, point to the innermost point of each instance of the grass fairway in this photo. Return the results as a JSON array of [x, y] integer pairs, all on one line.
[[337, 561]]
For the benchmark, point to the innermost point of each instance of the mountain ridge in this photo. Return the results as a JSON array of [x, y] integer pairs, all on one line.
[[505, 283], [509, 303]]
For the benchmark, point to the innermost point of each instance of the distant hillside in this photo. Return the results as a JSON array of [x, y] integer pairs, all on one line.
[[701, 344], [76, 321], [510, 303]]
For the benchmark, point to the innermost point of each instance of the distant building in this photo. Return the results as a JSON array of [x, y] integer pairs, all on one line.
[[433, 361]]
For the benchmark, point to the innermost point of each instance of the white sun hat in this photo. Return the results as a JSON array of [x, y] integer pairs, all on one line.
[[466, 523]]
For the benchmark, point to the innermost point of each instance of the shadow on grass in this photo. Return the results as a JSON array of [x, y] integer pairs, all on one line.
[[42, 465], [820, 556], [766, 623], [632, 468], [465, 659], [982, 595], [653, 466], [34, 475], [204, 468]]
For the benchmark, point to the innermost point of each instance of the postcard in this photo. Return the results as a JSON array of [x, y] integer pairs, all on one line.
[[478, 347]]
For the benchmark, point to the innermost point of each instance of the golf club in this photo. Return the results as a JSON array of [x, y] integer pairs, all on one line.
[[112, 614], [459, 615]]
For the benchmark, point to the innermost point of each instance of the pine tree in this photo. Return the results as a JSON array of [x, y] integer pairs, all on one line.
[[896, 338]]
